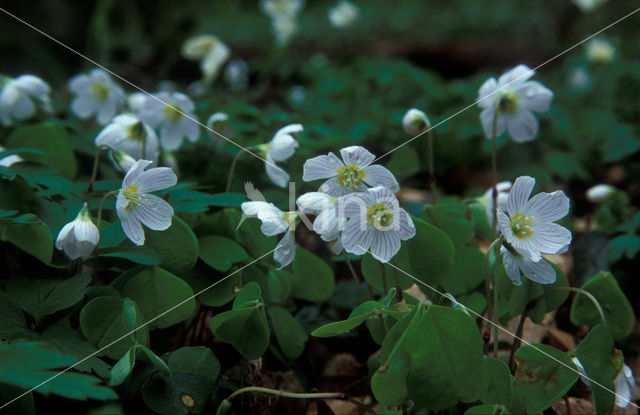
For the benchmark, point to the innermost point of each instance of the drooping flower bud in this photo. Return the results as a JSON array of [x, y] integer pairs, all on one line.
[[600, 192], [415, 122], [80, 237], [121, 160]]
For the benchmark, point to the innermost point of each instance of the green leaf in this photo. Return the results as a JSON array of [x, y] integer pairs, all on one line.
[[488, 410], [156, 291], [289, 333], [542, 377], [49, 138], [358, 316], [430, 253], [404, 162], [445, 341], [614, 303], [198, 360], [33, 236], [245, 327], [619, 142], [101, 322], [177, 246], [42, 297], [453, 218], [183, 393], [123, 367], [138, 254], [31, 365], [313, 278], [372, 271], [467, 272], [496, 382], [220, 253], [601, 362], [624, 245]]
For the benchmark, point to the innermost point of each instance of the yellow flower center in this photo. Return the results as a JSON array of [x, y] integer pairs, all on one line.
[[379, 216], [133, 197], [136, 132], [350, 176], [188, 401], [290, 218], [172, 112], [100, 91], [508, 101], [521, 226]]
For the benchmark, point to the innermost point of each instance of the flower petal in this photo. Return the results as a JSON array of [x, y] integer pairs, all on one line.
[[406, 228], [515, 76], [385, 245], [285, 251], [154, 212], [132, 227], [486, 93], [32, 85], [550, 238], [321, 167], [315, 202], [519, 194], [133, 176], [548, 207], [540, 271], [377, 175], [276, 174], [356, 237], [106, 112], [534, 96], [486, 118], [271, 217], [354, 205], [511, 267], [83, 106], [282, 147], [157, 178], [522, 125], [356, 156], [326, 225]]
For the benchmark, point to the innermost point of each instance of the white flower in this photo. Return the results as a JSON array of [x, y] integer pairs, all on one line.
[[121, 160], [136, 101], [127, 132], [588, 5], [580, 78], [283, 14], [275, 222], [210, 51], [487, 199], [343, 14], [280, 148], [136, 205], [173, 112], [625, 387], [79, 238], [284, 28], [514, 98], [9, 160], [351, 175], [219, 122], [375, 222], [415, 121], [326, 224], [600, 51], [19, 97], [600, 192], [517, 263], [527, 224], [96, 93], [236, 74]]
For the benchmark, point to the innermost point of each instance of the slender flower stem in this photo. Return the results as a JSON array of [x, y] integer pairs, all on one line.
[[432, 173], [104, 198], [94, 170], [495, 304], [355, 276], [385, 285], [329, 395], [492, 306], [494, 169], [396, 279], [231, 170], [144, 148]]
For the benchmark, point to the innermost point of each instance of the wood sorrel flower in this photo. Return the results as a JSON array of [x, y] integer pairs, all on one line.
[[175, 118], [375, 222], [529, 231], [96, 93], [136, 205], [280, 148], [350, 174], [19, 97], [210, 51], [487, 199], [343, 14], [600, 192], [326, 224], [79, 238], [415, 121], [275, 222], [513, 98], [127, 132]]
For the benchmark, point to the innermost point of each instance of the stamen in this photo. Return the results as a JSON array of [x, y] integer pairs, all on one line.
[[350, 176], [379, 216]]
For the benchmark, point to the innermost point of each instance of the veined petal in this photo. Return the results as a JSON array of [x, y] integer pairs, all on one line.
[[326, 225], [157, 178], [85, 230], [314, 202], [337, 247], [522, 125], [133, 176], [356, 237], [282, 147], [154, 212], [285, 250], [548, 207], [549, 238], [276, 174], [131, 226], [64, 234], [377, 175], [354, 205], [516, 76], [534, 96], [271, 217], [519, 194], [333, 188], [504, 225], [485, 99], [357, 156], [385, 245], [511, 266], [384, 195], [406, 228], [321, 167], [539, 271]]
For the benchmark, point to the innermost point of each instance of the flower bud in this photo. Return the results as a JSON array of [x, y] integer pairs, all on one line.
[[79, 238], [415, 122], [121, 160], [599, 193]]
